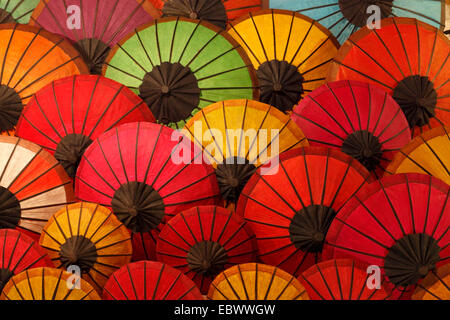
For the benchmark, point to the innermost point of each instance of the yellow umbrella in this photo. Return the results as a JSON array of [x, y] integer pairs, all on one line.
[[428, 153], [89, 236], [291, 53], [436, 286], [47, 284], [238, 136], [254, 281]]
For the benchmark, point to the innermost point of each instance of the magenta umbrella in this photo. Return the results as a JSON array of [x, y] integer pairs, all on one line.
[[94, 25]]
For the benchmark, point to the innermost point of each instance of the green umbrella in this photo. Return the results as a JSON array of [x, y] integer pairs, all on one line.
[[16, 10], [179, 66]]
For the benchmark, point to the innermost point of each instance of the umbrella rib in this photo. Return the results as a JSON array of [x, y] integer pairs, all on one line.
[[186, 293], [217, 289], [272, 278], [403, 45], [13, 251], [439, 71], [355, 251], [173, 245], [133, 59], [418, 47], [273, 238], [108, 20], [120, 286], [364, 75], [436, 155], [125, 22], [23, 55], [96, 171], [276, 250], [200, 224], [90, 104], [211, 131], [143, 48], [190, 201], [158, 281], [158, 47], [211, 235], [173, 38], [432, 53], [419, 14], [121, 156], [38, 130], [301, 43], [244, 42], [341, 106], [349, 164], [190, 231], [242, 282], [383, 107], [271, 141], [6, 51], [235, 233], [225, 226], [207, 43], [259, 38], [5, 167], [356, 104], [95, 189], [320, 126], [285, 288], [153, 153], [46, 118], [171, 286], [394, 136], [314, 51], [188, 41], [29, 183]]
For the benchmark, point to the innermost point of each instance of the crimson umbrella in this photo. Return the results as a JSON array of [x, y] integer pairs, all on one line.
[[19, 252], [149, 280], [290, 222], [203, 241], [360, 119], [399, 223], [146, 173], [341, 279], [67, 115], [218, 12], [93, 25], [407, 58]]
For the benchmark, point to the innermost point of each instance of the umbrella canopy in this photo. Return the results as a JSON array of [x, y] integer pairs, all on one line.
[[18, 253], [428, 153], [399, 223], [407, 58], [135, 169], [238, 136], [436, 286], [17, 11], [30, 59], [179, 66], [255, 281], [341, 279], [201, 242], [360, 119], [217, 12], [95, 25], [149, 280], [47, 284], [344, 17], [33, 186], [290, 223], [88, 236], [67, 115], [290, 52]]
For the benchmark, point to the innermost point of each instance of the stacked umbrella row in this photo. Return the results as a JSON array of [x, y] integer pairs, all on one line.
[[302, 169]]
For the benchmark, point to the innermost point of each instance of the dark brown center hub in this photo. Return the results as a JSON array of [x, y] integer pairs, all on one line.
[[138, 206], [70, 150], [94, 53], [411, 258], [309, 227], [171, 91], [417, 98], [5, 275], [232, 176], [212, 11], [207, 258], [6, 17], [355, 11], [10, 211], [78, 251], [10, 108], [281, 84], [364, 147]]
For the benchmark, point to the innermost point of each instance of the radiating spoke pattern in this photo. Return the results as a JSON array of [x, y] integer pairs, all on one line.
[[146, 173], [291, 223], [428, 153], [148, 280], [360, 119], [179, 66], [407, 58], [345, 17], [47, 284], [254, 281], [399, 223], [203, 241], [436, 286]]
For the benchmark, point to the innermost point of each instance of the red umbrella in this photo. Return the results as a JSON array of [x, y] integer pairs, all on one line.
[[407, 58], [18, 253], [290, 222], [136, 169], [341, 279], [201, 242], [360, 119], [148, 280], [399, 223], [66, 115]]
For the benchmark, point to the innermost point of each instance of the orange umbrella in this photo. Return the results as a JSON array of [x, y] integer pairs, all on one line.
[[47, 284], [30, 58], [428, 153], [33, 186], [436, 286]]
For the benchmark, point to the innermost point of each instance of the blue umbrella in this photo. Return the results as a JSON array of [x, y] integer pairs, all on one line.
[[344, 17]]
